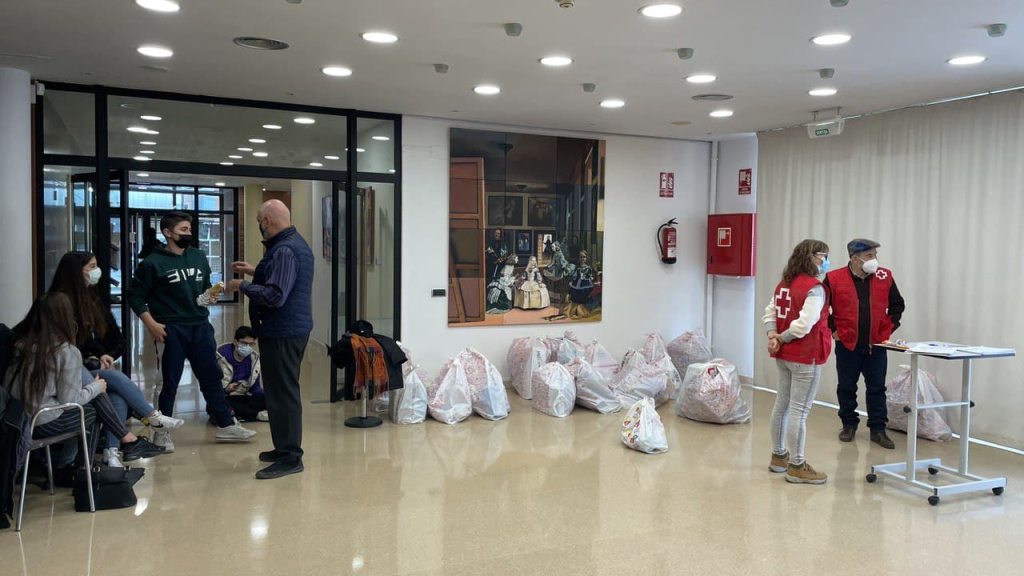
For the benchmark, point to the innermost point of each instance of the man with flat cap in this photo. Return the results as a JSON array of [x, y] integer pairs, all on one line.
[[866, 309]]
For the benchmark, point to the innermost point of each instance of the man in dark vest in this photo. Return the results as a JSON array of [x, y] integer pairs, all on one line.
[[866, 309], [281, 313]]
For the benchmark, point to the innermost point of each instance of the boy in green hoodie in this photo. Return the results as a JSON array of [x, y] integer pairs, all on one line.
[[169, 294]]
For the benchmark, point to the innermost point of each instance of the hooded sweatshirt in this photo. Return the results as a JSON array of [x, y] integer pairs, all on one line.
[[167, 284]]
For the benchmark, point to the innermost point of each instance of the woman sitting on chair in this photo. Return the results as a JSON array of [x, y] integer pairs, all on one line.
[[46, 370], [100, 343]]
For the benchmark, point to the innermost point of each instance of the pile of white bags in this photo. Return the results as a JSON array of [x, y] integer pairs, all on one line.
[[656, 354], [564, 349], [410, 405], [554, 390], [602, 360], [524, 356], [486, 387], [592, 390], [711, 393], [450, 400], [690, 348], [930, 423], [643, 430], [638, 379]]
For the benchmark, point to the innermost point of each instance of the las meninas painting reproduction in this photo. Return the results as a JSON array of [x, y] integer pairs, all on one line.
[[526, 228]]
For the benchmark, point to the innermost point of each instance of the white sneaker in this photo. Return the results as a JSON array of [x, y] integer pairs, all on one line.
[[263, 416], [110, 458], [163, 438], [234, 433], [158, 420]]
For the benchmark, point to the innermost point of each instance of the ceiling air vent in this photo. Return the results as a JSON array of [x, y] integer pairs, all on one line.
[[712, 97], [260, 43]]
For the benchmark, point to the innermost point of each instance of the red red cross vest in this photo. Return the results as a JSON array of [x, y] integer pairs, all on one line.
[[846, 306], [816, 345]]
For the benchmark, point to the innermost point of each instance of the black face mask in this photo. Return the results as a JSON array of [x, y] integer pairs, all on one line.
[[184, 240]]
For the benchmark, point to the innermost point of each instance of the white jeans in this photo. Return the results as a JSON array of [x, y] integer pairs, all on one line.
[[798, 383]]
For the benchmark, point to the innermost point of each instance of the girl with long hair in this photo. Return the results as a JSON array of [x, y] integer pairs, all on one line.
[[46, 370], [100, 342], [796, 323]]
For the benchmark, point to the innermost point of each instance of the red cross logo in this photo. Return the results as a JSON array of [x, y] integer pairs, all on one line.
[[783, 303], [881, 274]]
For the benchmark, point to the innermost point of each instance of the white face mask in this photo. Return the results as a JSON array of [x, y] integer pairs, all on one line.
[[93, 277], [870, 266]]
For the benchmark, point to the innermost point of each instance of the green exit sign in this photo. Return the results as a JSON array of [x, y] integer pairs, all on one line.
[[821, 132]]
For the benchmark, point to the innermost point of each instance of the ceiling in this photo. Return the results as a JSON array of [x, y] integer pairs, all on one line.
[[759, 51]]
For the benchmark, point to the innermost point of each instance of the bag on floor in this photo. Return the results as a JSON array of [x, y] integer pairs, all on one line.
[[450, 400], [689, 348], [931, 425], [602, 360], [638, 380], [632, 359], [643, 430], [486, 387], [569, 347], [711, 393], [112, 488], [380, 402], [410, 401], [554, 390], [656, 354], [524, 356], [592, 391]]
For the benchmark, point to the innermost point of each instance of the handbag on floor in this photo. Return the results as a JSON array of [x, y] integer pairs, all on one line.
[[112, 488]]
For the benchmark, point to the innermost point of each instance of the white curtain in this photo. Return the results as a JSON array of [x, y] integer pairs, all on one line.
[[942, 189]]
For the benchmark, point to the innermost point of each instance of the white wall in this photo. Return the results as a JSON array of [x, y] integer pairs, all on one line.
[[15, 195], [641, 294], [734, 309]]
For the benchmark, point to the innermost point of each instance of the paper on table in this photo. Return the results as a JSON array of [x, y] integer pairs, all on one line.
[[936, 348], [987, 351]]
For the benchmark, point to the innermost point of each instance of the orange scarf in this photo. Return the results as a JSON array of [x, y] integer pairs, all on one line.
[[370, 367]]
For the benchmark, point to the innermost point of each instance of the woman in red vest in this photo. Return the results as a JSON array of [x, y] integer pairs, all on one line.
[[796, 321]]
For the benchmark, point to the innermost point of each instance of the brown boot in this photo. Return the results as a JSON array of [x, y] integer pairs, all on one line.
[[779, 462], [882, 440], [847, 434], [804, 474]]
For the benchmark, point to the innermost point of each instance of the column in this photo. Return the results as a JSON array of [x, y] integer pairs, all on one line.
[[16, 198]]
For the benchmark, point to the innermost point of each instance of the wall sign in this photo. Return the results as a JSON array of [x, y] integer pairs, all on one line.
[[725, 237], [745, 181], [667, 187]]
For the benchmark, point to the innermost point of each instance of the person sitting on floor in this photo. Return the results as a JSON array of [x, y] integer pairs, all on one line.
[[240, 365]]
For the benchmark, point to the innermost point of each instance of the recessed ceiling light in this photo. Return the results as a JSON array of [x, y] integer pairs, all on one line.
[[556, 61], [380, 37], [257, 140], [219, 184], [823, 92], [360, 150], [227, 163], [151, 118], [147, 143], [235, 156], [332, 157], [138, 129], [147, 152], [257, 43], [382, 138], [143, 187], [243, 149], [142, 158], [392, 170], [487, 90], [966, 60], [305, 120], [155, 51], [260, 154], [159, 5], [612, 103], [315, 164], [701, 78], [661, 10], [272, 126], [337, 71], [721, 113], [831, 39]]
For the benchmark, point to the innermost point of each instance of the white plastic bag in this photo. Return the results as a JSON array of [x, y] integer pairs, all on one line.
[[656, 354], [602, 360], [554, 391], [410, 405], [486, 387], [524, 356], [931, 424], [689, 348], [638, 380], [592, 391], [450, 400], [711, 393], [380, 402], [643, 430]]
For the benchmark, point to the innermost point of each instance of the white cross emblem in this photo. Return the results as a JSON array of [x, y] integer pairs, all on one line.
[[881, 275], [783, 302]]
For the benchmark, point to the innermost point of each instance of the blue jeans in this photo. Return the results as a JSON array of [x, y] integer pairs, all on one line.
[[850, 365], [124, 395], [195, 343]]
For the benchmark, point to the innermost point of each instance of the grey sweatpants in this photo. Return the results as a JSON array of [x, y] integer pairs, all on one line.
[[798, 383]]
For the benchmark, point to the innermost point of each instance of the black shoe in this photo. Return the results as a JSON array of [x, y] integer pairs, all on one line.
[[882, 440], [279, 469], [272, 456], [141, 448], [847, 434]]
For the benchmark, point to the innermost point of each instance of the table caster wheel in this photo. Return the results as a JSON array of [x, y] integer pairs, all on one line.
[[871, 478], [933, 500], [998, 490], [933, 471]]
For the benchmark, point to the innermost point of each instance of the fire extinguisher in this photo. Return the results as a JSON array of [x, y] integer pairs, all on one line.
[[667, 241]]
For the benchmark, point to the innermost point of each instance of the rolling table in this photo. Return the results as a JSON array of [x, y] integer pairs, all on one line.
[[905, 471]]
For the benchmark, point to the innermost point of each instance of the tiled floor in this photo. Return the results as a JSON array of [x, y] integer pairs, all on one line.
[[528, 495]]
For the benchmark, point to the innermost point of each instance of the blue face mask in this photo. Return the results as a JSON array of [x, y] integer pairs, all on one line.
[[243, 350], [824, 266]]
